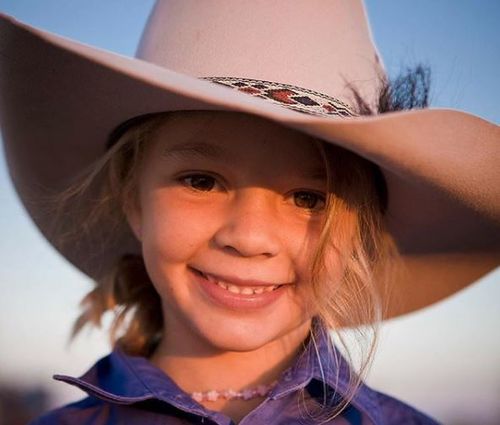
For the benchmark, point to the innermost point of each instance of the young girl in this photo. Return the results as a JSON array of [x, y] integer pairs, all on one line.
[[229, 234]]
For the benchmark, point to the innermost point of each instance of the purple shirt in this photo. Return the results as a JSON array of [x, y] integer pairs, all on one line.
[[129, 390]]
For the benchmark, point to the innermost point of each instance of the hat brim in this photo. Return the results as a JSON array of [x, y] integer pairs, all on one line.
[[60, 101]]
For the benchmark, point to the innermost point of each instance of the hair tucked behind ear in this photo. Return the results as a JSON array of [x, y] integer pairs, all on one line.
[[354, 227]]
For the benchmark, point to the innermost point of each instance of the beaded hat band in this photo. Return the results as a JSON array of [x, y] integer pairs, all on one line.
[[288, 96]]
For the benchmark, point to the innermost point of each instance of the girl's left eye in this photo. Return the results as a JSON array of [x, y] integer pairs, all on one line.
[[309, 200], [199, 182]]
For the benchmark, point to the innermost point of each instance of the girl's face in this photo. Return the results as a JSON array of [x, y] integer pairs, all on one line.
[[230, 210]]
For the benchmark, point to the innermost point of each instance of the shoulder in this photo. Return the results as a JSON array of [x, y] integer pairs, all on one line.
[[83, 412], [395, 411]]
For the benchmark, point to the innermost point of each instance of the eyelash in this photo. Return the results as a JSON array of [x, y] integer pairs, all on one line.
[[189, 182], [317, 198], [184, 181]]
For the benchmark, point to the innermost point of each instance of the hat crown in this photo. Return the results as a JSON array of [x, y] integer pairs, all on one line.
[[320, 45]]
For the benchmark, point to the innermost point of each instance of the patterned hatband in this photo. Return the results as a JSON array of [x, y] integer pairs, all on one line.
[[288, 96], [285, 95]]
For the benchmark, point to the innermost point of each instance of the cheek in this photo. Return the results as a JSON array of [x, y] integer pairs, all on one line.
[[335, 267], [172, 231], [322, 268], [302, 241]]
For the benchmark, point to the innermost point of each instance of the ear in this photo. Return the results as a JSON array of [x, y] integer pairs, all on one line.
[[134, 218]]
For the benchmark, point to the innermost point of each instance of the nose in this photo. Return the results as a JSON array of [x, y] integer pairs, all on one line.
[[250, 227]]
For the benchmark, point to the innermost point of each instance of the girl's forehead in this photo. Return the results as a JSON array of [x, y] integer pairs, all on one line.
[[231, 135]]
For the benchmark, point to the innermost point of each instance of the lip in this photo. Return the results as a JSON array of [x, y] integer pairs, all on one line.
[[232, 301], [237, 281]]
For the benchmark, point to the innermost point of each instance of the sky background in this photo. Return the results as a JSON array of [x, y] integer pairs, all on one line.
[[444, 360]]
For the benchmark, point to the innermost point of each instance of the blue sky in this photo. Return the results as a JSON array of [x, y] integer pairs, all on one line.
[[459, 39]]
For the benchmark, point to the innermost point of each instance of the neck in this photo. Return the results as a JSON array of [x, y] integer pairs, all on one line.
[[197, 366]]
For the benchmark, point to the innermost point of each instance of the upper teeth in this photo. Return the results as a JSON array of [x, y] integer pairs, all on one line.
[[245, 290]]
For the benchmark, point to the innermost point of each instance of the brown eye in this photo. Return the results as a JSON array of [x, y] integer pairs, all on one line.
[[309, 200], [201, 182]]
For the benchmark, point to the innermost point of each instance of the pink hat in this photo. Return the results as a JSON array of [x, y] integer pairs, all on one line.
[[289, 62]]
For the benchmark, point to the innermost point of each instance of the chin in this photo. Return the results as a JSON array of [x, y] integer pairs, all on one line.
[[238, 341], [244, 336]]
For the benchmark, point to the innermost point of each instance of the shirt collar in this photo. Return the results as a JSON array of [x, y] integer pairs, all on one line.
[[124, 379], [323, 362]]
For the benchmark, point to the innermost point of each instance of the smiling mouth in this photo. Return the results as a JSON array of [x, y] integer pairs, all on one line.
[[238, 289]]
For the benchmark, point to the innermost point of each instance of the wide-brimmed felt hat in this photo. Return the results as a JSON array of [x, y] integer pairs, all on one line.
[[294, 63]]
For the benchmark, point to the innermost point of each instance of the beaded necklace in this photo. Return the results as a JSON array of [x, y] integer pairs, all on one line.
[[229, 394]]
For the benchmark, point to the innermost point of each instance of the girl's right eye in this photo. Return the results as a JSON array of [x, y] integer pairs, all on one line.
[[199, 182]]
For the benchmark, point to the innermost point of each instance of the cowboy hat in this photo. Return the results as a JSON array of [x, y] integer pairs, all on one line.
[[62, 100]]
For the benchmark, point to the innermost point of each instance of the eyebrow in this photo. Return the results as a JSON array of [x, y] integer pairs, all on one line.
[[197, 149], [205, 150], [318, 174]]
